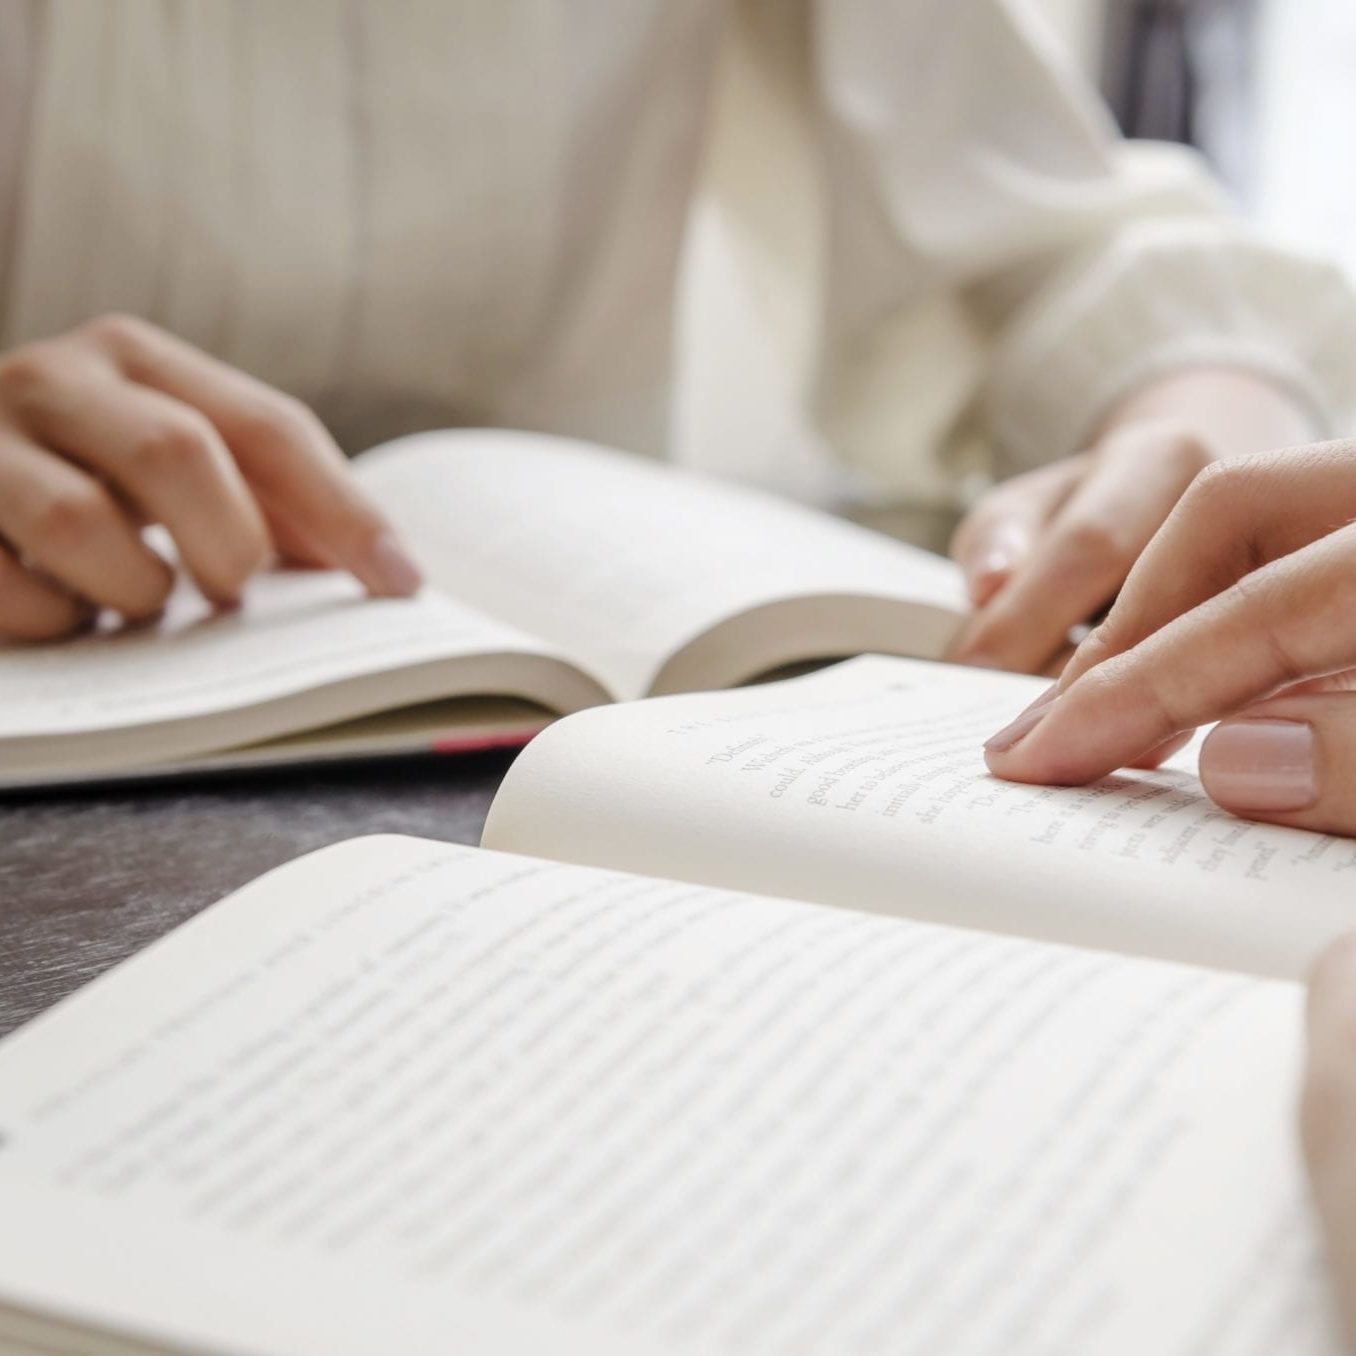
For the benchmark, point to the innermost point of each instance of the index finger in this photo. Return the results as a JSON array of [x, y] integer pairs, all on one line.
[[284, 452], [1237, 515], [1285, 623]]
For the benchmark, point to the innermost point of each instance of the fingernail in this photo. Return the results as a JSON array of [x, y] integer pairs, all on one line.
[[388, 570], [1012, 735], [1261, 766]]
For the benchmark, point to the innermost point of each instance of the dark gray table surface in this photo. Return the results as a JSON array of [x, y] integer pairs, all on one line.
[[88, 878]]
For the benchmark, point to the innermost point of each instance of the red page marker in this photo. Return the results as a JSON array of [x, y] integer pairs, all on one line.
[[510, 739]]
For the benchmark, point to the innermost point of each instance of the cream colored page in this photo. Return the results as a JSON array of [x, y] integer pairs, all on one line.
[[620, 562], [407, 1097], [294, 631], [865, 786]]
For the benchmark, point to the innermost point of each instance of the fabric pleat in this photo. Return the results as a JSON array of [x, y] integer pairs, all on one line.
[[192, 163]]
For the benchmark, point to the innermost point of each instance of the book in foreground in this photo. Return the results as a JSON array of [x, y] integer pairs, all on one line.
[[400, 1096], [587, 1095], [559, 575]]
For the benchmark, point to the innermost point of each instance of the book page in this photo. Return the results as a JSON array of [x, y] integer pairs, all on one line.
[[407, 1097], [865, 786], [626, 564], [304, 649]]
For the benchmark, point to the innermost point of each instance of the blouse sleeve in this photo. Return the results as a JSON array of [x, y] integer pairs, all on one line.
[[981, 202]]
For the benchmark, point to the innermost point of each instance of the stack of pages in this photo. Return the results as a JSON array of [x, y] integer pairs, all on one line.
[[560, 576]]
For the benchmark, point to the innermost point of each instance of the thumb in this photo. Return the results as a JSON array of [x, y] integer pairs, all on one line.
[[1288, 761]]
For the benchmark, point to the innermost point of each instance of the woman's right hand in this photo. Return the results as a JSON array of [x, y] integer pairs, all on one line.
[[1243, 611], [119, 425]]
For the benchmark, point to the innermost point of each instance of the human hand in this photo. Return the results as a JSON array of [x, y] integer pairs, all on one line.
[[1048, 551], [118, 425], [1328, 1116], [1243, 611]]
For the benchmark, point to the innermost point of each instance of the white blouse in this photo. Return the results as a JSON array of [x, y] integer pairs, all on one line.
[[456, 211]]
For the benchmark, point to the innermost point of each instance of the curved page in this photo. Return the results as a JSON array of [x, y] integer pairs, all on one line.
[[864, 785], [624, 563], [304, 650]]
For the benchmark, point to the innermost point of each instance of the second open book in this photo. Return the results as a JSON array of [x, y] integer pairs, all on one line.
[[559, 576], [405, 1096]]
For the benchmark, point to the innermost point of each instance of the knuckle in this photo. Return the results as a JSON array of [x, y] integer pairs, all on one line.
[[1129, 680], [28, 374], [67, 519], [1225, 483], [1092, 544], [119, 333], [278, 421], [1105, 679], [974, 530], [172, 446], [1216, 483], [1283, 632], [1185, 451], [1098, 645]]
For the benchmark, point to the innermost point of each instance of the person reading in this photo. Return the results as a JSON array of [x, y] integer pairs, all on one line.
[[234, 240]]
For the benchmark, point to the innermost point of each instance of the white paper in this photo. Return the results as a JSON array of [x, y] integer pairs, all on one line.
[[295, 630], [306, 650], [405, 1097], [865, 785], [622, 563]]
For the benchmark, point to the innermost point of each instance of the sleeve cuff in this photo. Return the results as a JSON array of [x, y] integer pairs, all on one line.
[[1164, 297]]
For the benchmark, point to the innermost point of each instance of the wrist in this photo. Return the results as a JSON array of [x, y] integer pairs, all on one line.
[[1230, 411]]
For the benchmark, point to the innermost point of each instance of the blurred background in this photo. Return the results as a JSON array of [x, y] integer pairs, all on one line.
[[1265, 89]]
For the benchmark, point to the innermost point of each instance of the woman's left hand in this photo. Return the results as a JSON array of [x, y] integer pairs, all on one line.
[[1048, 551]]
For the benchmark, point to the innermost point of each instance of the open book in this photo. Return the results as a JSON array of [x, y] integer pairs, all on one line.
[[865, 785], [405, 1097], [560, 576]]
